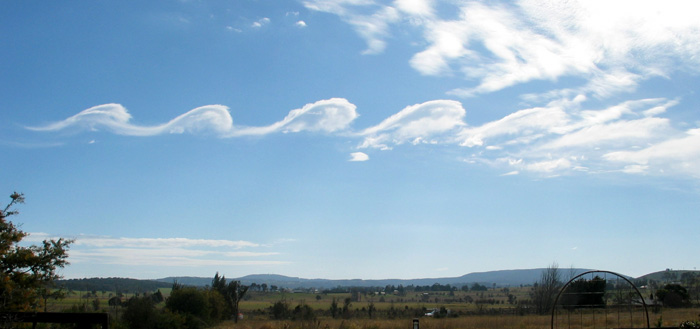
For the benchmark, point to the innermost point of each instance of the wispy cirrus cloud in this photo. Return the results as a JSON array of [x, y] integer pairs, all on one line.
[[678, 154], [373, 26], [611, 46], [562, 137]]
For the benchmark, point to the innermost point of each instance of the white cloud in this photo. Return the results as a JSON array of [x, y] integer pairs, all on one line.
[[328, 116], [261, 22], [233, 29], [115, 118], [171, 258], [561, 137], [358, 157], [549, 166], [564, 138], [300, 24], [106, 241], [524, 126], [680, 154], [420, 122], [611, 46], [415, 7], [163, 251], [374, 28]]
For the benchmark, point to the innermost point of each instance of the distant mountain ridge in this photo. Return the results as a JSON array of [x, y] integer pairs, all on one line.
[[502, 278]]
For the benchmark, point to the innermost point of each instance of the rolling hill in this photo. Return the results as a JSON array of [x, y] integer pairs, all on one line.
[[502, 278]]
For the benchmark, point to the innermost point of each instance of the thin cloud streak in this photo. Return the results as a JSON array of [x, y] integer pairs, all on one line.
[[105, 241], [163, 251], [134, 257]]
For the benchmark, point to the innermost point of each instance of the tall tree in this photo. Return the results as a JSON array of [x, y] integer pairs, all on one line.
[[233, 292], [26, 271], [545, 290]]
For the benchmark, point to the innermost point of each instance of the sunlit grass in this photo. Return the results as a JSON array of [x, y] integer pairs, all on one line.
[[669, 318]]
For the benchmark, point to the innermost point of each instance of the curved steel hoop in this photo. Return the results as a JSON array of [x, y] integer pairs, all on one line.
[[589, 297]]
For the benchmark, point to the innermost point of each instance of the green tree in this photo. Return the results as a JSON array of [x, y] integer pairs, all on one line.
[[280, 310], [188, 301], [140, 313], [371, 309], [232, 292], [157, 297], [347, 303], [26, 271], [303, 312], [334, 308], [673, 295]]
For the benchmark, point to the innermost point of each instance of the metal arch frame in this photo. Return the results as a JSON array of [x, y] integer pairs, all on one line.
[[556, 300]]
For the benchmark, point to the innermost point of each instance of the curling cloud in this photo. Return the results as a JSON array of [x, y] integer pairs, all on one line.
[[115, 118], [420, 123], [327, 116], [561, 137]]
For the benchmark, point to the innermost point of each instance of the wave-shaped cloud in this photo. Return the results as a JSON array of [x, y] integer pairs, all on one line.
[[323, 116], [328, 116], [561, 137], [420, 123], [116, 118]]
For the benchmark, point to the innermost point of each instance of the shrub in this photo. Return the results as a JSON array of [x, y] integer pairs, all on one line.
[[188, 300], [140, 313]]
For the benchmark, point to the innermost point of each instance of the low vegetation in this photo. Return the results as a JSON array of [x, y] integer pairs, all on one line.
[[29, 277]]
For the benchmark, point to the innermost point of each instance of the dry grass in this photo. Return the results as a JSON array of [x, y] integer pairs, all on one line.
[[668, 317]]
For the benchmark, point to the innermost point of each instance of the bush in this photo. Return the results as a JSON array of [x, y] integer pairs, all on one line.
[[304, 313], [140, 313], [280, 310], [189, 301], [199, 308]]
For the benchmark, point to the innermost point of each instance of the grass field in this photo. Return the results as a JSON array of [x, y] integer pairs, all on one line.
[[393, 311], [665, 318]]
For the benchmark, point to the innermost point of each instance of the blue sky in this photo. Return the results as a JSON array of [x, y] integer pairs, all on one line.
[[348, 139]]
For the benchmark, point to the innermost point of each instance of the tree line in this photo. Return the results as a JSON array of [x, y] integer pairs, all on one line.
[[117, 285]]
